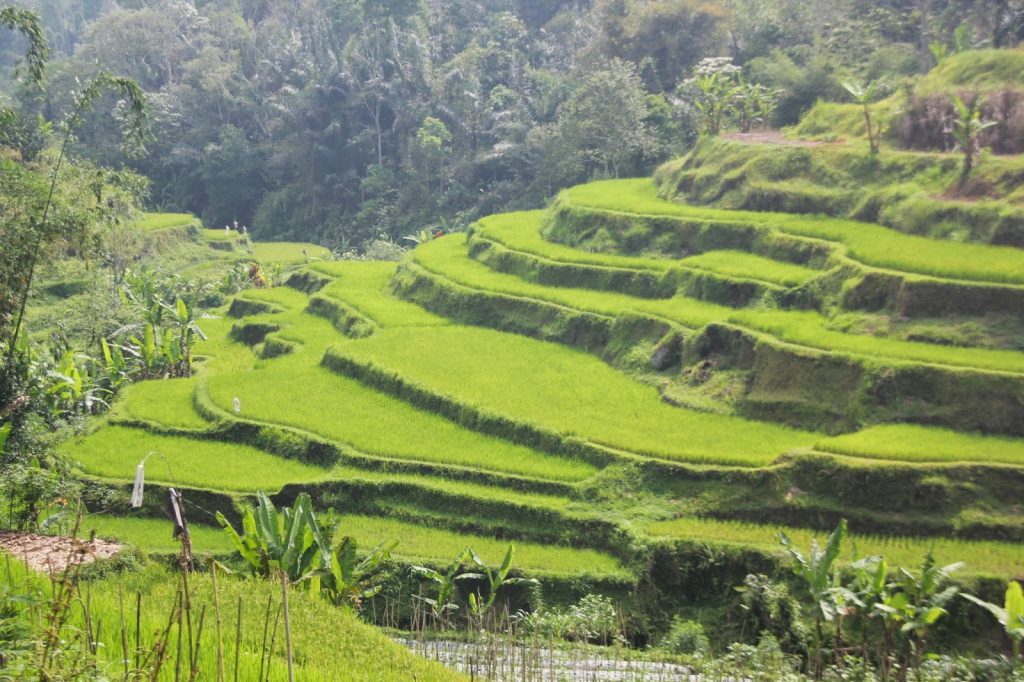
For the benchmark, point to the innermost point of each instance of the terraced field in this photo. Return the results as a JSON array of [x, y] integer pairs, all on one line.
[[617, 374]]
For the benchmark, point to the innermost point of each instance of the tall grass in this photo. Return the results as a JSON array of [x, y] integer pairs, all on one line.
[[868, 243], [330, 644], [983, 557], [925, 444], [114, 451], [567, 392], [806, 328]]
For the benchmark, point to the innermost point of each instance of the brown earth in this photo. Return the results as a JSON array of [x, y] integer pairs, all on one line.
[[53, 554]]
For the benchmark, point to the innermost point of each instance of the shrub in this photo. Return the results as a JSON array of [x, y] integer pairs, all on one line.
[[686, 637]]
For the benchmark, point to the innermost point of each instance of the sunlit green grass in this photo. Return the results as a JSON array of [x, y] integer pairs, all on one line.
[[293, 393], [447, 257], [415, 542], [362, 286], [996, 558], [926, 444], [742, 264], [114, 452], [221, 235], [155, 535], [455, 486], [436, 544], [868, 243], [329, 643], [289, 253], [522, 232], [163, 221], [167, 402], [568, 392], [296, 391]]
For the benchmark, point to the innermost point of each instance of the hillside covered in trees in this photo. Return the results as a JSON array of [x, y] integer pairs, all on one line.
[[342, 121]]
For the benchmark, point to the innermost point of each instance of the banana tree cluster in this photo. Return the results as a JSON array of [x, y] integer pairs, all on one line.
[[443, 605], [290, 542], [893, 612]]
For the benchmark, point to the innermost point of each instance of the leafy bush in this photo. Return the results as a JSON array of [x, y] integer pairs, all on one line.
[[686, 637]]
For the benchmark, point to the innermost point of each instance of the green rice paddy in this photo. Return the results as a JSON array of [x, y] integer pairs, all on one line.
[[162, 221], [868, 243], [446, 257], [996, 558], [925, 444], [114, 451], [567, 392]]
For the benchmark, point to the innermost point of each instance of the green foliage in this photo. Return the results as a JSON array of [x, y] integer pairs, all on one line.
[[1010, 615], [967, 125], [494, 579], [289, 543], [686, 637], [27, 23], [983, 557]]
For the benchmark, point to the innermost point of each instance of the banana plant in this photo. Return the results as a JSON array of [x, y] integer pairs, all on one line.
[[920, 601], [1010, 615], [289, 541], [967, 126], [819, 572], [444, 603], [349, 579], [495, 579], [863, 95], [184, 320]]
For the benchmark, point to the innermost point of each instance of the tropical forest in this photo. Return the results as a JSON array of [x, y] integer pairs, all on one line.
[[512, 340]]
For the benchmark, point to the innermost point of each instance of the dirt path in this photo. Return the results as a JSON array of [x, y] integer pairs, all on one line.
[[51, 554]]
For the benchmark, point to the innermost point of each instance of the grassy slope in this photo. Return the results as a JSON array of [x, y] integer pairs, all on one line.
[[868, 243], [568, 392], [521, 232], [447, 257], [330, 645], [995, 558]]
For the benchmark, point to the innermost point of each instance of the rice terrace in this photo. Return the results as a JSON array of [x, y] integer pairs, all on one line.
[[453, 340]]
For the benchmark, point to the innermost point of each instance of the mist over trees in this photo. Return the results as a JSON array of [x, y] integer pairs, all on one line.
[[341, 121]]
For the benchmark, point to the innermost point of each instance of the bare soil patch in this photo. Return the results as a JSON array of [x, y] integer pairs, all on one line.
[[53, 554]]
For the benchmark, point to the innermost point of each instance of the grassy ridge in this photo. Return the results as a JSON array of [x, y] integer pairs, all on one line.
[[994, 558], [362, 286], [521, 232], [565, 391], [926, 444], [868, 243], [114, 451], [806, 328]]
